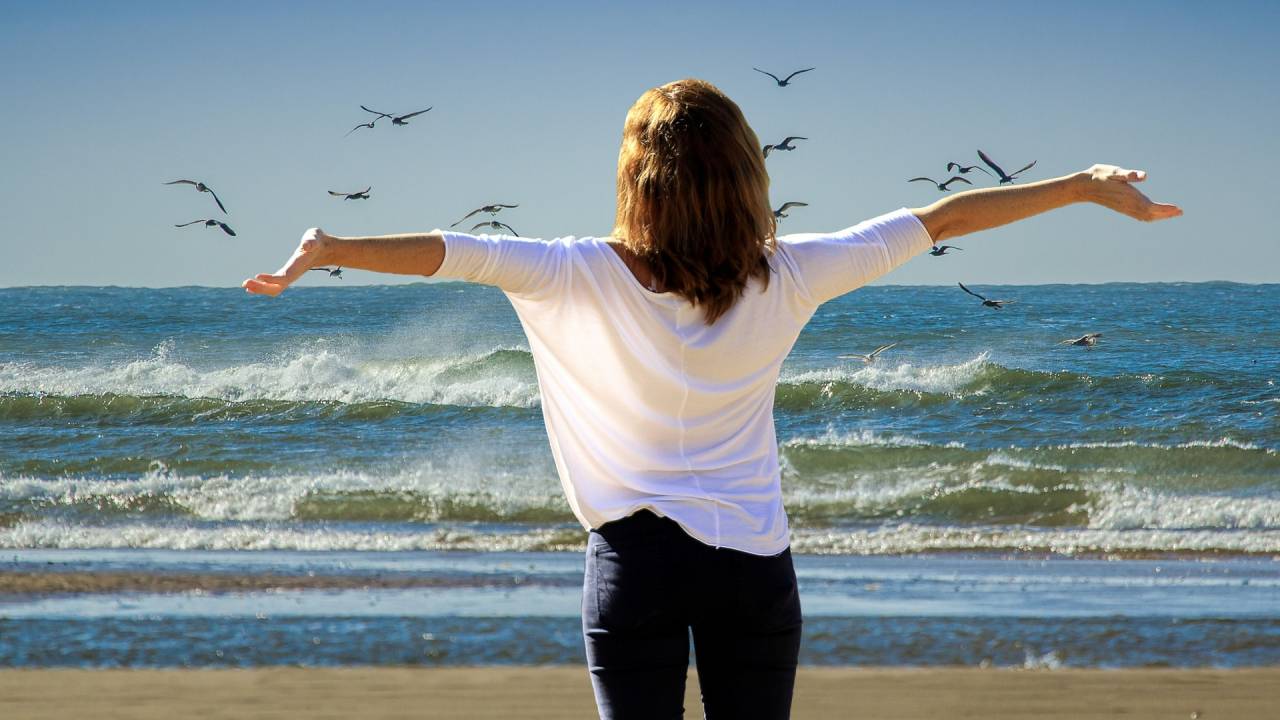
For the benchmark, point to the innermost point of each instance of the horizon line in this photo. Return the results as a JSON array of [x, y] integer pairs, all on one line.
[[467, 282]]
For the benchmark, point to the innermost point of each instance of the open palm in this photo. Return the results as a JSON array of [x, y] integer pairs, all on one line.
[[307, 256], [1112, 187]]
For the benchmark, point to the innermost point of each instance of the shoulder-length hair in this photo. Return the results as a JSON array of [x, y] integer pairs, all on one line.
[[693, 195]]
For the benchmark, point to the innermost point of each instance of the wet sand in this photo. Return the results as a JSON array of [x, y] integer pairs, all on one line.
[[564, 692]]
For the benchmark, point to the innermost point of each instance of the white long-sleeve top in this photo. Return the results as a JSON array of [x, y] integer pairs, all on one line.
[[647, 406]]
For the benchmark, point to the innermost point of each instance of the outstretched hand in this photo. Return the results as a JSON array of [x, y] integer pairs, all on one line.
[[307, 256], [1112, 187]]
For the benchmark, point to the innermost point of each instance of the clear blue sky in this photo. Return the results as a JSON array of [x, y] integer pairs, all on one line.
[[102, 102]]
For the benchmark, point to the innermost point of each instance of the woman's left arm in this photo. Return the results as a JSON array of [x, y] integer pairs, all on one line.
[[413, 254], [1106, 185]]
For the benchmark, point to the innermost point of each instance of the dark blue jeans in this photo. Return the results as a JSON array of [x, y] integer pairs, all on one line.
[[647, 584]]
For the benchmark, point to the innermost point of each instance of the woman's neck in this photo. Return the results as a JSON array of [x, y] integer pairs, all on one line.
[[638, 267]]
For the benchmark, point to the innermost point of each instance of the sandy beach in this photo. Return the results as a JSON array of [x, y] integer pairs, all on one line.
[[564, 692]]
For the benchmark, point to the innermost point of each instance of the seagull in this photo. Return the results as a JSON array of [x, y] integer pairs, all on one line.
[[871, 357], [202, 188], [362, 195], [940, 250], [784, 145], [997, 304], [210, 223], [395, 119], [493, 209], [363, 125], [379, 114], [333, 272], [782, 211], [494, 224], [943, 185], [785, 82], [964, 170], [1003, 177], [400, 119], [1087, 341]]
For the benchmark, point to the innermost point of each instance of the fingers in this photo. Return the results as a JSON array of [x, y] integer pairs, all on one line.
[[302, 260], [1122, 175], [1163, 211], [258, 287]]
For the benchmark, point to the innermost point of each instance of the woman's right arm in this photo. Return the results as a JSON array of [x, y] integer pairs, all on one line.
[[1106, 185], [412, 254]]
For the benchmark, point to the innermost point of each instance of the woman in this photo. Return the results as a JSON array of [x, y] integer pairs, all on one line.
[[657, 351]]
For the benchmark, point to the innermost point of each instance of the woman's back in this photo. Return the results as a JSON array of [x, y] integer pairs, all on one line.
[[647, 405]]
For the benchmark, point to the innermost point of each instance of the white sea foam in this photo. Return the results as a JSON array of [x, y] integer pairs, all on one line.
[[862, 437], [256, 536], [936, 379], [1126, 507], [326, 374], [459, 479], [913, 538], [884, 540]]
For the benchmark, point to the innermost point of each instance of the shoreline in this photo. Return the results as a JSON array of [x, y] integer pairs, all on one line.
[[75, 577], [565, 692]]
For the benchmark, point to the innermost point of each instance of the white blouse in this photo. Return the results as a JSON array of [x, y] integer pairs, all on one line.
[[647, 406]]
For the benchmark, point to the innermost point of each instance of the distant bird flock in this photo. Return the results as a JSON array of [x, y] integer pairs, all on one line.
[[785, 145]]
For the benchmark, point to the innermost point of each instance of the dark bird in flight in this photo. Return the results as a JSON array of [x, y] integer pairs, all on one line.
[[1087, 341], [997, 304], [785, 81], [1004, 177], [493, 209], [782, 211], [784, 145], [940, 250], [333, 272], [963, 169], [395, 119], [202, 188], [495, 225], [363, 125], [401, 119], [870, 357], [941, 185], [362, 195], [379, 114], [210, 223]]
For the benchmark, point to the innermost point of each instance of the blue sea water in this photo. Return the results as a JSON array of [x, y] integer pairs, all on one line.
[[405, 419]]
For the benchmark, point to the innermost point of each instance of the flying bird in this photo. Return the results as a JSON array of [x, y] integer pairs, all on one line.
[[1087, 341], [997, 304], [395, 119], [1004, 177], [870, 357], [495, 225], [400, 119], [363, 125], [379, 114], [940, 250], [202, 188], [941, 185], [782, 211], [964, 169], [362, 195], [784, 145], [333, 272], [210, 223], [786, 81], [493, 209]]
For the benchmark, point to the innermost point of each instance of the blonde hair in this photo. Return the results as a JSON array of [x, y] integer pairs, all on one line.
[[693, 195]]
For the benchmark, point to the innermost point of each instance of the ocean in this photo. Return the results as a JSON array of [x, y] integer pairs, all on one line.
[[1131, 492]]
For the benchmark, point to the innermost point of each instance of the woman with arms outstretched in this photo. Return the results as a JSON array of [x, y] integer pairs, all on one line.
[[657, 352]]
